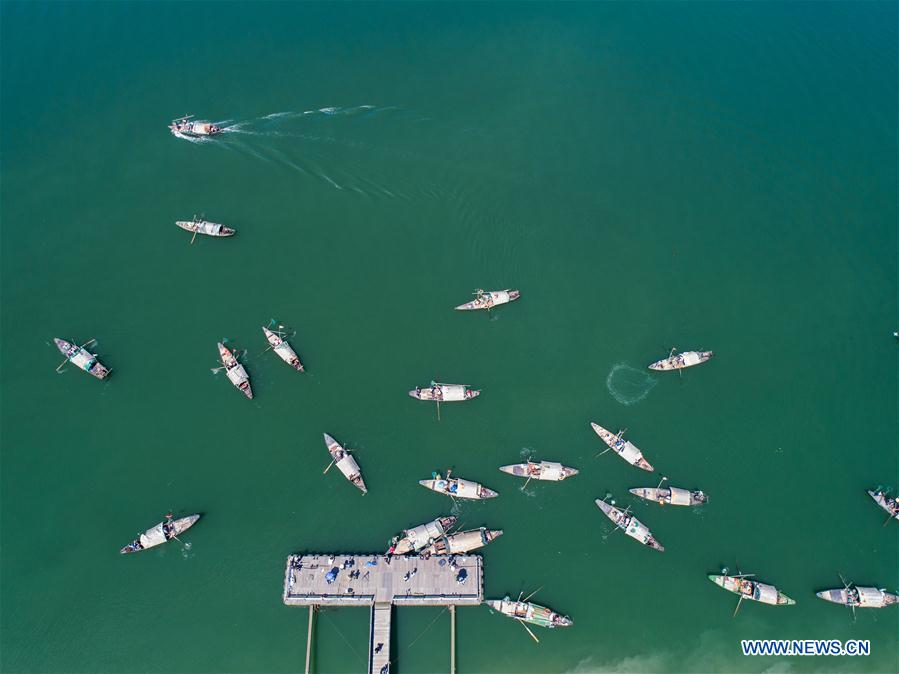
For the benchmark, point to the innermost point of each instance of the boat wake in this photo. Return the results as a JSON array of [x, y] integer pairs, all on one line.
[[628, 385]]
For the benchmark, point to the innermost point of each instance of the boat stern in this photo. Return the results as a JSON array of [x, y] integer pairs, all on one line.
[[484, 492]]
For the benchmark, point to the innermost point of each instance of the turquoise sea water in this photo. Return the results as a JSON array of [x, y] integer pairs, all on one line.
[[706, 175]]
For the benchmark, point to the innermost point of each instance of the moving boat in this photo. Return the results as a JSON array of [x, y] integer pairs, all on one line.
[[681, 360], [853, 596], [671, 495], [528, 612], [235, 371], [421, 536], [488, 300], [544, 470], [161, 533], [283, 349], [630, 525], [444, 393], [891, 505], [458, 487], [462, 542], [200, 226], [345, 463], [185, 126], [751, 589], [81, 357], [624, 448]]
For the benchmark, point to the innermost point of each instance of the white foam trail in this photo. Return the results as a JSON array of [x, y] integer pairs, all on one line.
[[331, 181]]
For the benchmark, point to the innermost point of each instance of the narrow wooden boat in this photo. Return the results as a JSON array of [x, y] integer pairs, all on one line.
[[855, 596], [82, 358], [630, 525], [891, 505], [235, 371], [283, 349], [458, 488], [624, 448], [671, 495], [681, 360], [445, 393], [345, 463], [488, 300], [543, 470], [462, 542], [528, 612], [421, 536], [752, 589], [198, 226], [185, 126], [161, 533]]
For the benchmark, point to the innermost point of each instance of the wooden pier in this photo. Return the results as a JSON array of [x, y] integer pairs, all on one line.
[[380, 582]]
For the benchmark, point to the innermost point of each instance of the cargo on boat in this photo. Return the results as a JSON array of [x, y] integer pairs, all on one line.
[[488, 300], [421, 536], [681, 360], [161, 533], [185, 126], [671, 495], [345, 463], [283, 349], [891, 505], [199, 226], [235, 371], [540, 470], [528, 612], [82, 358], [457, 487], [462, 542], [445, 393], [624, 448], [752, 589], [630, 525], [855, 596]]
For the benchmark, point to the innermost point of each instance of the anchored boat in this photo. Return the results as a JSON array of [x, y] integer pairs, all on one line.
[[200, 226], [543, 470], [421, 536], [235, 371], [853, 596], [283, 349], [630, 525], [891, 505], [345, 463], [624, 448], [458, 488], [445, 393], [528, 612], [185, 126], [671, 495], [681, 360], [81, 357], [161, 533], [751, 589], [488, 300], [462, 542]]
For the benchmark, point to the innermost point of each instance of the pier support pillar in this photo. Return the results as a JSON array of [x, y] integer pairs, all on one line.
[[309, 638], [452, 610]]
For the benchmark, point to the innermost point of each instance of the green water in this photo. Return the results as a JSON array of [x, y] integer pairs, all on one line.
[[704, 175]]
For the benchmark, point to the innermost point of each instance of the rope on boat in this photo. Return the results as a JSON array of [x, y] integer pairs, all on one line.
[[430, 624]]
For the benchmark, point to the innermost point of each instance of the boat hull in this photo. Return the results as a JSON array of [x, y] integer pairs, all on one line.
[[205, 227], [528, 612], [491, 299], [623, 448], [82, 358], [459, 488], [881, 500], [445, 393], [345, 463], [682, 360], [754, 590], [861, 597], [548, 471], [159, 534], [673, 496], [284, 351], [630, 525], [235, 372]]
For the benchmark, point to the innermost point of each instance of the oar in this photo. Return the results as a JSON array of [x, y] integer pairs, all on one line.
[[216, 370], [89, 342], [526, 483], [193, 237], [888, 520], [532, 594], [739, 601], [67, 360], [528, 629], [603, 452], [438, 410], [329, 466]]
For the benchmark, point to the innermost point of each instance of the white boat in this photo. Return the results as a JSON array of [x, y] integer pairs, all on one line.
[[199, 226], [855, 596], [185, 126], [237, 375], [345, 463], [751, 589], [283, 349], [445, 393], [81, 358], [543, 470], [891, 505], [624, 448], [488, 300], [671, 495], [421, 536], [528, 612], [681, 360], [462, 542], [161, 533], [458, 488], [630, 525]]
